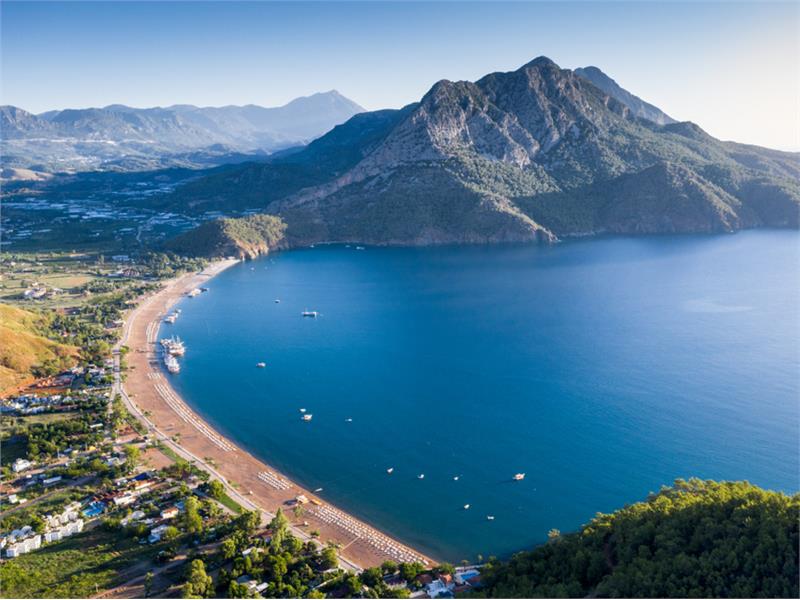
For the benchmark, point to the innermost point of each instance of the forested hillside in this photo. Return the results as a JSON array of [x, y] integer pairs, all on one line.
[[692, 540]]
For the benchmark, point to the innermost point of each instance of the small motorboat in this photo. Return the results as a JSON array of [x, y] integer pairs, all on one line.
[[302, 410], [390, 470], [455, 478], [360, 248], [490, 517], [307, 417], [519, 476], [277, 300], [261, 365], [421, 476], [466, 507], [318, 490], [348, 420], [310, 313]]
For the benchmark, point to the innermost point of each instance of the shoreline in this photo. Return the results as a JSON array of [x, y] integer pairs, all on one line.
[[252, 483]]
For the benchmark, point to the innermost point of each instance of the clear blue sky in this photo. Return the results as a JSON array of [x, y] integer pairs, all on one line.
[[731, 67]]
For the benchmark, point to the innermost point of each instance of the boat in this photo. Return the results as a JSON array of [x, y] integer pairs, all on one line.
[[310, 313], [466, 507], [277, 300], [203, 289], [176, 347], [173, 346], [390, 470], [170, 318], [307, 417], [318, 490], [172, 364], [455, 478], [519, 476], [194, 292], [421, 476], [348, 420], [490, 517], [360, 248], [302, 410], [261, 365]]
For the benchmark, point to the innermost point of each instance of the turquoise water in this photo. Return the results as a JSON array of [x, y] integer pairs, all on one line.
[[602, 369]]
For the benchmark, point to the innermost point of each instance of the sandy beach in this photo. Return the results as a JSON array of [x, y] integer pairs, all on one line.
[[254, 484]]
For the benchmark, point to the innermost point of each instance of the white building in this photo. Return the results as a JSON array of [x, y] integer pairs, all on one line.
[[24, 546], [21, 464], [156, 533]]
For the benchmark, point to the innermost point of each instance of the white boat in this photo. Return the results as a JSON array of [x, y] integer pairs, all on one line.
[[390, 470], [261, 365], [170, 319], [310, 313], [455, 478], [466, 507], [519, 476], [421, 476], [490, 517], [360, 248], [348, 420], [302, 410], [318, 490], [307, 417], [277, 300], [172, 364], [194, 292]]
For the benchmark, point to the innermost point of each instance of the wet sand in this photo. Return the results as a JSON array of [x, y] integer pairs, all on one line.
[[254, 484]]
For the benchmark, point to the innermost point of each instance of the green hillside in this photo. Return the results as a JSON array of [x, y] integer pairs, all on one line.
[[246, 237], [697, 539]]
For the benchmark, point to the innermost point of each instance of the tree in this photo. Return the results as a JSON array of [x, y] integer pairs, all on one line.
[[131, 455], [278, 526], [409, 571], [228, 549], [248, 522], [148, 584], [372, 577], [215, 489], [170, 533], [389, 567], [198, 583], [192, 520], [352, 586], [329, 559]]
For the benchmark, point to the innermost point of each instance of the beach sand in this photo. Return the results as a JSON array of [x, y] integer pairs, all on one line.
[[254, 484]]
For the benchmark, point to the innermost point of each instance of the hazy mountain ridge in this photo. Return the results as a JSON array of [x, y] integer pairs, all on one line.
[[639, 107], [536, 153], [121, 137]]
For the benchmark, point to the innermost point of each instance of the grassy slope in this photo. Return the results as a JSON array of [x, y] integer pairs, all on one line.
[[23, 348]]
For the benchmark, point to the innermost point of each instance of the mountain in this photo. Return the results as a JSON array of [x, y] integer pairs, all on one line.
[[124, 138], [534, 154], [639, 107]]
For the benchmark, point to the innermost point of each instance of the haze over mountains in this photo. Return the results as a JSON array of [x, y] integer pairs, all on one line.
[[124, 138], [533, 154]]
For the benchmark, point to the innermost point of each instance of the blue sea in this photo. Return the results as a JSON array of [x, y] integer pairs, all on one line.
[[602, 369]]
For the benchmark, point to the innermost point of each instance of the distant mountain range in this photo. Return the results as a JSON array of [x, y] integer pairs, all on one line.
[[123, 138], [534, 154]]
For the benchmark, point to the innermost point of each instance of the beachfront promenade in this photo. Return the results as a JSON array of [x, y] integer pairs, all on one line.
[[148, 394]]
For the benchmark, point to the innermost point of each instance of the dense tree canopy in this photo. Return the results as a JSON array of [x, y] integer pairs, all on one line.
[[694, 539]]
